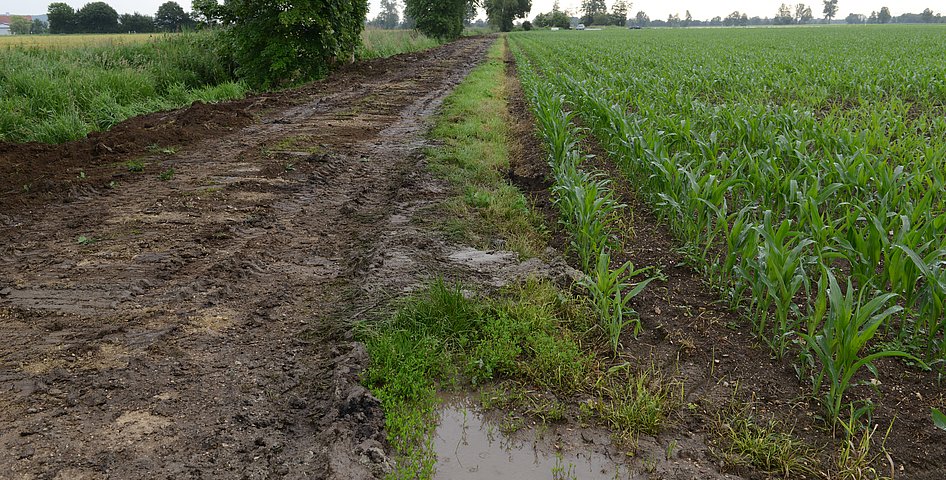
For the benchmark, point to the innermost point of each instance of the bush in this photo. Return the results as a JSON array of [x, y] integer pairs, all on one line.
[[278, 43], [527, 25], [441, 19]]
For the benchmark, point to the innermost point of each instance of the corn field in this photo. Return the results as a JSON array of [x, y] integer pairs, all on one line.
[[788, 163]]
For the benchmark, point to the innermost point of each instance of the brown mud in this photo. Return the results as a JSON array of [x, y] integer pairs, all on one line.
[[192, 319], [694, 336]]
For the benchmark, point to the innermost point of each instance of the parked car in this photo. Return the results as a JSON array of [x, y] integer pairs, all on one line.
[[581, 26], [635, 27]]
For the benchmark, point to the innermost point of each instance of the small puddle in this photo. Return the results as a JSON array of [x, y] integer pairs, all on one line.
[[470, 446]]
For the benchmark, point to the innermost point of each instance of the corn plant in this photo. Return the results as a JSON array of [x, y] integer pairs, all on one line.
[[782, 256], [711, 146], [588, 207], [933, 270], [611, 295], [837, 334]]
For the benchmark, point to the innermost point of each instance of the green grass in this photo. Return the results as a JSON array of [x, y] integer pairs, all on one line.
[[633, 402], [474, 156], [743, 440], [379, 43], [59, 88], [54, 95], [444, 337]]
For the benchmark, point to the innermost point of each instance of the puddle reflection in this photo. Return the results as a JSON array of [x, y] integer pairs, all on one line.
[[469, 446]]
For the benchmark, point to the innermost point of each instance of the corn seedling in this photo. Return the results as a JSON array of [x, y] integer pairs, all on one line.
[[611, 296], [847, 325]]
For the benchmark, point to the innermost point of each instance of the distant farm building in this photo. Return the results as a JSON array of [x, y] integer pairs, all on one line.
[[5, 21]]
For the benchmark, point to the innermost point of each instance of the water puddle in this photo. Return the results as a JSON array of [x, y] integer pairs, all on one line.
[[470, 445]]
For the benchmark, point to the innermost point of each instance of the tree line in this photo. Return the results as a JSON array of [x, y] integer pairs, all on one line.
[[100, 17], [596, 12], [445, 19]]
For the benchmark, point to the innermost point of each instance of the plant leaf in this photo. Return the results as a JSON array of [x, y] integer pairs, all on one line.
[[939, 419]]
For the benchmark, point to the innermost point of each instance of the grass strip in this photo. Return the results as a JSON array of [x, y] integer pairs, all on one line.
[[443, 338], [474, 152]]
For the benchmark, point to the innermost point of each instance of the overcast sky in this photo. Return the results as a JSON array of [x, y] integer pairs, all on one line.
[[706, 9], [700, 9]]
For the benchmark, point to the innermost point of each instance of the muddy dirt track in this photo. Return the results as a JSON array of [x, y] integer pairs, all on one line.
[[186, 315]]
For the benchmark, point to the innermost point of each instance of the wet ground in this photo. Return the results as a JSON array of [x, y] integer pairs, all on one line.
[[471, 445], [176, 294]]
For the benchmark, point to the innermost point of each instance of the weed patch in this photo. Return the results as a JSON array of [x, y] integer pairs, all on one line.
[[443, 338], [768, 446]]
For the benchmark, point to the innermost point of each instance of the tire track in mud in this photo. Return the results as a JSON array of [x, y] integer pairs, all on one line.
[[201, 328]]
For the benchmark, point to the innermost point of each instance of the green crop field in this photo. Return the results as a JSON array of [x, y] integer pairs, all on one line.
[[803, 170], [78, 40]]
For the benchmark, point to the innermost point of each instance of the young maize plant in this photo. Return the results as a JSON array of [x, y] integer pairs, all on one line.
[[774, 158], [838, 331], [588, 208], [611, 296]]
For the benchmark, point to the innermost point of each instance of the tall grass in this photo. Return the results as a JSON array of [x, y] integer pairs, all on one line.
[[58, 88], [379, 43], [58, 94]]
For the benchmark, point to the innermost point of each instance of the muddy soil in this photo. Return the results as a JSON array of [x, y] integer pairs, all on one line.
[[187, 315]]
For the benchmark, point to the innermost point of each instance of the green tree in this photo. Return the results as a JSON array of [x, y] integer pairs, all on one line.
[[97, 17], [441, 19], [830, 9], [171, 17], [784, 16], [619, 12], [207, 12], [884, 15], [642, 19], [688, 19], [555, 18], [927, 16], [501, 13], [38, 26], [388, 16], [803, 13], [20, 26], [136, 23], [592, 9], [855, 19], [62, 18], [284, 41]]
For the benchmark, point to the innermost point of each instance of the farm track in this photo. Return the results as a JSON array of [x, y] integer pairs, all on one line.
[[200, 328]]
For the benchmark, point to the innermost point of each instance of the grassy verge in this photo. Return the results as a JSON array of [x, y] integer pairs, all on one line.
[[378, 43], [54, 95], [61, 87], [474, 156], [532, 350], [443, 339]]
